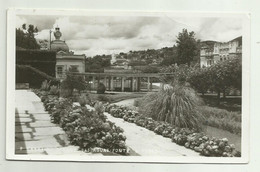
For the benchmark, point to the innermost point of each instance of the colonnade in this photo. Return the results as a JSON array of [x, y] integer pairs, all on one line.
[[122, 83]]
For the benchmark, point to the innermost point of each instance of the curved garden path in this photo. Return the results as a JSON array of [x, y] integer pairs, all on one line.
[[146, 143]]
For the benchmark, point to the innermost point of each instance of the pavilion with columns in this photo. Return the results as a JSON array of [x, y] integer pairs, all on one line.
[[121, 81]]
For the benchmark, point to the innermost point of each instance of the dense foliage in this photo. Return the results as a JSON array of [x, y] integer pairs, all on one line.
[[97, 63], [199, 80], [70, 83], [25, 37], [187, 47], [226, 74], [101, 88], [179, 74], [218, 77], [86, 129], [33, 76]]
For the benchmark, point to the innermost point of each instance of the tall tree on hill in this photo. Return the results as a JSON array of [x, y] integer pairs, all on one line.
[[187, 47], [25, 37]]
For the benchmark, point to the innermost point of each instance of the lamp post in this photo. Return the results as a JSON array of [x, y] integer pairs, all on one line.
[[50, 38]]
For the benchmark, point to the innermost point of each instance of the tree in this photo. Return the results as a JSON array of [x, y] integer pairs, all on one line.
[[226, 74], [97, 63], [150, 69], [199, 80], [187, 47], [25, 38], [168, 60], [72, 82], [179, 74]]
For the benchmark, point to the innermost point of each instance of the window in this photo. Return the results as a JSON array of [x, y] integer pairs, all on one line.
[[74, 68], [221, 59], [59, 70]]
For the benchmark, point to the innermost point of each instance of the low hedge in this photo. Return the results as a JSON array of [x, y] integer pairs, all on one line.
[[85, 128], [189, 138]]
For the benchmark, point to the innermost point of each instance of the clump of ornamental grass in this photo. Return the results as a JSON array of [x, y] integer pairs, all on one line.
[[175, 104]]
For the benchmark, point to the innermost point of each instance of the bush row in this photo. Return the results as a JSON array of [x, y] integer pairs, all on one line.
[[85, 128], [189, 138], [218, 77]]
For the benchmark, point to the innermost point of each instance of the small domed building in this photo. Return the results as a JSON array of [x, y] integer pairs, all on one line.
[[65, 59]]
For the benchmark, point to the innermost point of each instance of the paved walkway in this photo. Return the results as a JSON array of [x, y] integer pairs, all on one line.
[[34, 133], [146, 143]]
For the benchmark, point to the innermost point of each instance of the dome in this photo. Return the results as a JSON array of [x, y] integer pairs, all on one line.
[[59, 45]]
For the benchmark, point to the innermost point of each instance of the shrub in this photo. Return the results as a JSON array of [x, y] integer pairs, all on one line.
[[66, 89], [59, 110], [70, 83], [83, 100], [101, 88], [86, 129], [199, 80], [99, 108], [45, 85], [176, 104], [54, 90]]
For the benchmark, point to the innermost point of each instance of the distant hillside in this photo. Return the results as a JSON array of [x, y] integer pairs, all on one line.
[[148, 57]]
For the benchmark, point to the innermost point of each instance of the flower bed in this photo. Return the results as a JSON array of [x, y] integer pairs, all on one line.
[[191, 139], [86, 129]]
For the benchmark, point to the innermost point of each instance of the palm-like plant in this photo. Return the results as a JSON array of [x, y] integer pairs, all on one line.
[[176, 104]]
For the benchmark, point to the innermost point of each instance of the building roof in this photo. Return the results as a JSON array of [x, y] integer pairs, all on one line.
[[59, 45], [239, 39]]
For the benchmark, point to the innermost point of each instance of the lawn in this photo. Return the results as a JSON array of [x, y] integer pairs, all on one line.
[[222, 119]]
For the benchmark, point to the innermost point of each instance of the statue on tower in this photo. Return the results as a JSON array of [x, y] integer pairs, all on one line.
[[57, 33], [57, 44]]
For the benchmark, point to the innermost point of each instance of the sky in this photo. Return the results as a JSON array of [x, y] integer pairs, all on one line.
[[97, 35]]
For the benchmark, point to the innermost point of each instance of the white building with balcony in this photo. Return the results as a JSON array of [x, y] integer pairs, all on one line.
[[219, 51]]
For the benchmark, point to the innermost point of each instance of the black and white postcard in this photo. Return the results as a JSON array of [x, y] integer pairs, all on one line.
[[121, 86]]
